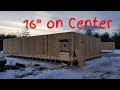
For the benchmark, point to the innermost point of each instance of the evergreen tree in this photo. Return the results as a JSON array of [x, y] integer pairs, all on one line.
[[96, 35], [10, 36], [89, 32], [116, 38], [25, 32], [2, 36], [105, 37]]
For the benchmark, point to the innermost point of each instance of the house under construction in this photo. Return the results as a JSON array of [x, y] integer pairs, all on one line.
[[107, 46], [67, 47]]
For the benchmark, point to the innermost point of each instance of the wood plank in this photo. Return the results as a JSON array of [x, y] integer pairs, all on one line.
[[80, 58]]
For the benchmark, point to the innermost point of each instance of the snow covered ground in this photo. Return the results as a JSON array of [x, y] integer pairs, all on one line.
[[106, 67]]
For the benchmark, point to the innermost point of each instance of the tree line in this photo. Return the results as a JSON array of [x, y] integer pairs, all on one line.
[[105, 37]]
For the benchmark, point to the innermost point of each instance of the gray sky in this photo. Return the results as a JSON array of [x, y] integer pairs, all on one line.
[[12, 21]]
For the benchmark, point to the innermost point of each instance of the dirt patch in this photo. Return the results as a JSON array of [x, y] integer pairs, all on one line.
[[36, 65], [12, 67], [41, 68], [20, 65], [23, 75]]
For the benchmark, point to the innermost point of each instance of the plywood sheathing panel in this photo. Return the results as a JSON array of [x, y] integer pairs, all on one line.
[[107, 45]]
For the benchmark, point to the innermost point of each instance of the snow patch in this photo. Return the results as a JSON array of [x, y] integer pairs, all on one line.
[[106, 67]]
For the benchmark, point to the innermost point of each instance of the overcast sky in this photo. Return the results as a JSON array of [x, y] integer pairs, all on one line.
[[12, 21]]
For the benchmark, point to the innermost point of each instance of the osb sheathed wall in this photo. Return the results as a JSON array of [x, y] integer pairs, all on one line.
[[107, 46], [88, 45], [5, 49], [54, 45], [48, 46]]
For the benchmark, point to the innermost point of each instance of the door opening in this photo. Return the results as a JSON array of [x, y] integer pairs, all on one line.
[[64, 49]]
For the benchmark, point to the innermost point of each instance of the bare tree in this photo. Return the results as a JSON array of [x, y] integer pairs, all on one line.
[[25, 32]]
